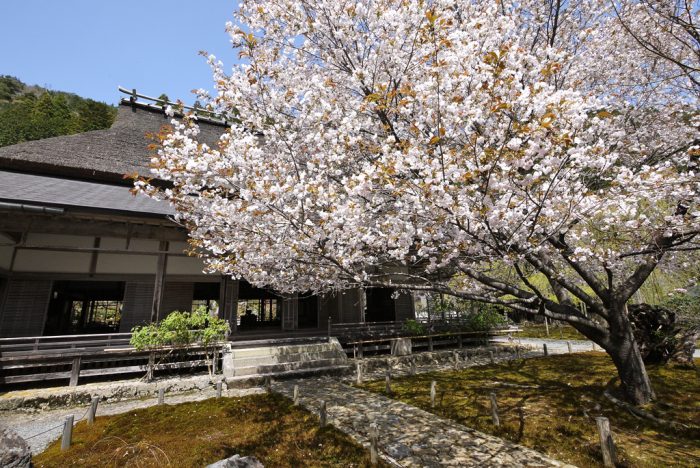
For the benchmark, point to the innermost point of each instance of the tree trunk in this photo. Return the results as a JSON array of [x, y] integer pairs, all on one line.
[[630, 367], [619, 342]]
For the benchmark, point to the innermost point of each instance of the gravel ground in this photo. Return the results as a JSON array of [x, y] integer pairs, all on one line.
[[40, 429], [558, 346]]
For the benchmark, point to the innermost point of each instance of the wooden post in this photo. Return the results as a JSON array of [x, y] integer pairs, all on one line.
[[75, 372], [568, 345], [296, 395], [373, 443], [494, 410], [219, 386], [387, 382], [607, 444], [151, 365], [161, 268], [229, 302], [455, 356], [215, 362], [459, 341], [360, 350], [329, 328], [322, 414], [358, 371], [433, 384], [161, 396], [493, 361], [67, 433], [544, 348], [93, 410], [430, 343]]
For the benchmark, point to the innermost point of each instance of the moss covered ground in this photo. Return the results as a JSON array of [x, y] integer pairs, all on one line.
[[266, 426], [549, 404]]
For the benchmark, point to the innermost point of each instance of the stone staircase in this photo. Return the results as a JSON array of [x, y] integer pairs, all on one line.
[[284, 360]]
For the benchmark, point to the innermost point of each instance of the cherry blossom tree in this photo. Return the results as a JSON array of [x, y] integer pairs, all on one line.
[[540, 155]]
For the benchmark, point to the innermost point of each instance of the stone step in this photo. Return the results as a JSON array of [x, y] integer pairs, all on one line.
[[244, 381], [282, 358], [280, 368]]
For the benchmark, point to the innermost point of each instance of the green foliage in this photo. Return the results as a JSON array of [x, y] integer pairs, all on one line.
[[9, 87], [487, 317], [180, 329], [32, 113], [474, 316], [686, 306], [413, 327]]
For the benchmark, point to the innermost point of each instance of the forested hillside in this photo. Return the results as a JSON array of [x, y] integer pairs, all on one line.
[[32, 112]]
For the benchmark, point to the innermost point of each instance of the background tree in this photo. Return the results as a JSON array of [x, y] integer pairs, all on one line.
[[31, 112], [528, 154]]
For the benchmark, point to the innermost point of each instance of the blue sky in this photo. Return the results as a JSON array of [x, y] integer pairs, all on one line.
[[89, 47]]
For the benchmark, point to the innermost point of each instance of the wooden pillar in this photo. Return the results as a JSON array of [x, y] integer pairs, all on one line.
[[290, 311], [94, 257], [161, 268], [228, 301], [339, 296], [363, 304]]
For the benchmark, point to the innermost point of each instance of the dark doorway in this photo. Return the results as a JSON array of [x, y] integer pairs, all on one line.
[[307, 314], [79, 307], [258, 308], [206, 295], [380, 305]]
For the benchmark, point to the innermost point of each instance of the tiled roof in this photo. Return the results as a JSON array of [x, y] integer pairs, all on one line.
[[78, 195]]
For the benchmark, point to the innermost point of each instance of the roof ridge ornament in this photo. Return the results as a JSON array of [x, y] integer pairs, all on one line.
[[154, 103]]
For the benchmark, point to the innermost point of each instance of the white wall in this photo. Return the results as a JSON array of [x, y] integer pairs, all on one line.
[[126, 264], [5, 256], [54, 262], [6, 249], [44, 261], [185, 266]]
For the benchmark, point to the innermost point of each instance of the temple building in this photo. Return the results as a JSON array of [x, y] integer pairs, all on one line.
[[79, 254]]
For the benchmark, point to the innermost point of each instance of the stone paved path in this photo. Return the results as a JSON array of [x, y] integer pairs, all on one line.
[[409, 436]]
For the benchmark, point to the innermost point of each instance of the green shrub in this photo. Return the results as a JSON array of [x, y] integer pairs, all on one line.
[[180, 329], [413, 327], [686, 306], [485, 319]]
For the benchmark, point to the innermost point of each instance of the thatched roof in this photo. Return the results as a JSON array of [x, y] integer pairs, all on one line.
[[100, 155]]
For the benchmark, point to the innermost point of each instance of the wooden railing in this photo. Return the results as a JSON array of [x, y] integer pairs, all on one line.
[[73, 365], [423, 342], [62, 343], [72, 357], [368, 330]]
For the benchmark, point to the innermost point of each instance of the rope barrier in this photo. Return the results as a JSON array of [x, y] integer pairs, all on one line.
[[55, 427], [43, 432]]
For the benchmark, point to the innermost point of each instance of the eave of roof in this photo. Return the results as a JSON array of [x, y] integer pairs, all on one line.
[[77, 195]]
